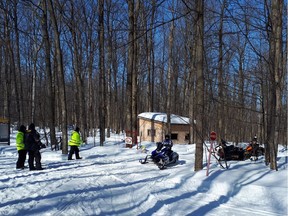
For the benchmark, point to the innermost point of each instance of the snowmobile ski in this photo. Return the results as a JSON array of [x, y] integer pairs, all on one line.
[[144, 160]]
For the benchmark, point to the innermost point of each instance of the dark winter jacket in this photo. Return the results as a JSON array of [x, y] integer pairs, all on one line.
[[32, 140], [168, 143]]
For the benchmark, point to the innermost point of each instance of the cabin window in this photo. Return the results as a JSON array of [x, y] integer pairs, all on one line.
[[174, 136]]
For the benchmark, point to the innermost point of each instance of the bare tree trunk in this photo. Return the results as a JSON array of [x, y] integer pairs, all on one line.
[[81, 119], [169, 78], [18, 75], [220, 107], [102, 104], [130, 65], [91, 119], [199, 34], [191, 86], [109, 74], [241, 128], [276, 76], [61, 78], [33, 87], [90, 50], [132, 72], [51, 87], [135, 76], [113, 118], [7, 71], [151, 60]]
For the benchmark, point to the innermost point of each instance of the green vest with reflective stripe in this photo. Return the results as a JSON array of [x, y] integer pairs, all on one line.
[[20, 141], [75, 139]]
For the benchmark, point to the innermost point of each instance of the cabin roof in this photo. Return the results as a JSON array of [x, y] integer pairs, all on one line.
[[162, 117]]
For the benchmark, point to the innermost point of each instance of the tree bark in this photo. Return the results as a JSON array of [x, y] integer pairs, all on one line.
[[48, 69], [61, 77], [18, 71], [169, 78], [102, 105], [199, 34], [220, 107], [132, 73], [276, 78]]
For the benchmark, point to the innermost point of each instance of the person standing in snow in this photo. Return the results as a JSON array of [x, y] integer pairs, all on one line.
[[74, 144], [22, 152], [255, 146], [33, 145]]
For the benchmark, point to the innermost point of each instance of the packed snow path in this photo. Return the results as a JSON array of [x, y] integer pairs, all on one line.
[[109, 180]]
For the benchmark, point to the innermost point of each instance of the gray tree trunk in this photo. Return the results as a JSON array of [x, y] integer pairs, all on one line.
[[276, 78], [61, 77], [102, 105], [169, 78], [48, 69], [199, 34], [18, 74]]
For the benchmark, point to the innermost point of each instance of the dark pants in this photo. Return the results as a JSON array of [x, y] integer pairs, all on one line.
[[255, 150], [34, 155], [21, 159], [73, 149]]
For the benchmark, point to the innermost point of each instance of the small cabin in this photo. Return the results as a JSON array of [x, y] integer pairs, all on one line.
[[4, 131], [153, 127]]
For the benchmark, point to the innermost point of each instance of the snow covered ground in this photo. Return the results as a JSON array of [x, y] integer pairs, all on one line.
[[109, 180]]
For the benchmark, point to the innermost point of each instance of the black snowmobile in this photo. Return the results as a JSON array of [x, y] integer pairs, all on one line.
[[229, 152]]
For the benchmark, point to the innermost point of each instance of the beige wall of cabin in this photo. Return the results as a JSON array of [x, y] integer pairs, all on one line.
[[159, 127]]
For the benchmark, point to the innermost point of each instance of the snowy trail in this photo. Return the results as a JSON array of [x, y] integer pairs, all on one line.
[[111, 181]]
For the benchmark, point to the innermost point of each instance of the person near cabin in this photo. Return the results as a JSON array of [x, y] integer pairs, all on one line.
[[33, 146], [168, 144], [22, 152], [74, 143]]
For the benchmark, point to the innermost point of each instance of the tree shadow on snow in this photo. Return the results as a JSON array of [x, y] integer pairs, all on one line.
[[282, 162], [238, 185], [205, 186]]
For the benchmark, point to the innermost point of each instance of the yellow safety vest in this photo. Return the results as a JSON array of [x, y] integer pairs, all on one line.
[[20, 141], [75, 139]]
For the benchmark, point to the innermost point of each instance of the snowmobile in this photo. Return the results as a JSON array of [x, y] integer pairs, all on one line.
[[162, 157], [229, 152], [253, 151]]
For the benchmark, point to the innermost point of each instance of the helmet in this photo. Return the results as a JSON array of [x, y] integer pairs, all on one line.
[[167, 136], [255, 138]]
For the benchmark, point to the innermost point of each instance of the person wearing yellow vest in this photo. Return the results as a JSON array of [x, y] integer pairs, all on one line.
[[74, 143], [22, 152]]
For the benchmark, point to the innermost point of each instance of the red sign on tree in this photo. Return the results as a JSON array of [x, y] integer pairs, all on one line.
[[213, 135]]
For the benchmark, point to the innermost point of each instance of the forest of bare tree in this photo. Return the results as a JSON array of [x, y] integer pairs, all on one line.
[[99, 63]]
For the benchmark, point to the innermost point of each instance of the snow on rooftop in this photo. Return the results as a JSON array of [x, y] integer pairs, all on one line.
[[162, 117]]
